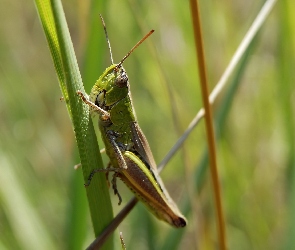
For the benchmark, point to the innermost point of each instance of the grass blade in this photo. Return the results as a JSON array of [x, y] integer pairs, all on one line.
[[56, 30]]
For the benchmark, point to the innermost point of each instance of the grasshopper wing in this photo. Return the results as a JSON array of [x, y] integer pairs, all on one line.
[[142, 146], [150, 190], [172, 214]]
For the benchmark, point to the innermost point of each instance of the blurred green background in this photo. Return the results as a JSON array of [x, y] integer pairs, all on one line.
[[42, 197]]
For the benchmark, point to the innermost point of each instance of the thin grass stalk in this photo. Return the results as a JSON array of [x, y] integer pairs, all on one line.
[[209, 122]]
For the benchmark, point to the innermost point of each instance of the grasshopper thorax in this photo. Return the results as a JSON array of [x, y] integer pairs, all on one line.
[[110, 88]]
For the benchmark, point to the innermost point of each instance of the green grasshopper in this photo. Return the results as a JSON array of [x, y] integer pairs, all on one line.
[[130, 156]]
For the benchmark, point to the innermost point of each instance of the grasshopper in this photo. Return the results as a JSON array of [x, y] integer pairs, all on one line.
[[130, 155]]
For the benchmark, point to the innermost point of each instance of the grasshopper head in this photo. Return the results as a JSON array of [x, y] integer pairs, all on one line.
[[111, 87]]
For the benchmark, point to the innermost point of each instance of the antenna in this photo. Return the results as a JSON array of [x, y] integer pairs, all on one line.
[[107, 37], [136, 45]]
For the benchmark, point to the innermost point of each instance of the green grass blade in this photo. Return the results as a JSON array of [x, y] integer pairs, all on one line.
[[48, 24], [56, 30]]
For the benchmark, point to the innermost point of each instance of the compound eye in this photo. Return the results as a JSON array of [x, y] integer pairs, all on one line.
[[122, 79]]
